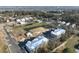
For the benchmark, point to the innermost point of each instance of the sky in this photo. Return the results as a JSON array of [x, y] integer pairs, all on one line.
[[39, 2]]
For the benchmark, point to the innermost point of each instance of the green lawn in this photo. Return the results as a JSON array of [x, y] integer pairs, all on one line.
[[71, 42], [31, 26]]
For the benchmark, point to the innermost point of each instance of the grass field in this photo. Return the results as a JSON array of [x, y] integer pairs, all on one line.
[[30, 26], [71, 42]]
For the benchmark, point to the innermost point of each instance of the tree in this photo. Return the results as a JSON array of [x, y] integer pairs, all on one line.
[[78, 34], [68, 50]]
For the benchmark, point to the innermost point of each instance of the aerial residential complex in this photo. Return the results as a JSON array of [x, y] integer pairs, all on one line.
[[45, 29]]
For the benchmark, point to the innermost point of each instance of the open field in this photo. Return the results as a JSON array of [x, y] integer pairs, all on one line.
[[38, 31], [3, 46], [36, 28], [69, 44], [30, 26], [18, 34], [35, 32], [72, 42]]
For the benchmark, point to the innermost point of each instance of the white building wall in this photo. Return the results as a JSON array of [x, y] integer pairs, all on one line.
[[37, 42]]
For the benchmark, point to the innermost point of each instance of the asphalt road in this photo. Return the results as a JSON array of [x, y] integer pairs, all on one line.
[[12, 44]]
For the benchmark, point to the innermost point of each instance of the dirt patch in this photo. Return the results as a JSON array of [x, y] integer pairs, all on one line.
[[3, 46], [38, 31], [19, 34]]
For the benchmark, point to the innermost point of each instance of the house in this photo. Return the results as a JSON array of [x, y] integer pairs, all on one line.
[[12, 18], [30, 18], [39, 21], [18, 20], [29, 34], [59, 21], [36, 43], [26, 18], [73, 25], [59, 24], [62, 22], [21, 21], [67, 24], [8, 20]]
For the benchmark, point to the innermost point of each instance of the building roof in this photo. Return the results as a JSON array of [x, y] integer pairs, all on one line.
[[18, 20], [29, 34], [26, 18], [48, 34], [67, 24], [30, 17], [73, 25], [58, 32], [36, 42], [51, 34], [23, 20], [63, 22]]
